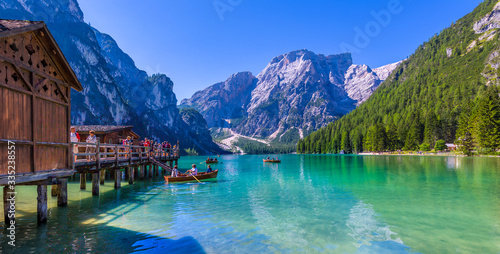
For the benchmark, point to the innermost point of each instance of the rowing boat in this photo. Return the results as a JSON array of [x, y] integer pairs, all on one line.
[[211, 162], [199, 176], [275, 161]]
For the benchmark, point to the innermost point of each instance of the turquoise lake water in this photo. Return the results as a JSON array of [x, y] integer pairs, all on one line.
[[306, 204]]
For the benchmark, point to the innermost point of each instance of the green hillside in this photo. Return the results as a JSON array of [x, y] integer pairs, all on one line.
[[447, 90]]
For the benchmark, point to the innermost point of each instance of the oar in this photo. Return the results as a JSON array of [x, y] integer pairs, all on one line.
[[166, 178], [195, 177]]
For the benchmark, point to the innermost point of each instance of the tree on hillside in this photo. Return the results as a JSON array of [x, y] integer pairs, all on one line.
[[414, 136], [358, 142], [346, 142], [440, 145], [487, 126], [431, 129], [392, 137], [465, 129]]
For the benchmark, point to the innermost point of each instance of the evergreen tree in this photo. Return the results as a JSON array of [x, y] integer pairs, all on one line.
[[414, 136], [487, 119], [346, 142], [425, 147], [465, 128], [392, 137], [380, 138], [431, 130], [358, 142], [440, 145]]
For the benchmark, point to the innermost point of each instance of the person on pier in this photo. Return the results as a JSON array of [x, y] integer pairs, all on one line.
[[193, 171], [91, 148], [127, 142], [74, 137]]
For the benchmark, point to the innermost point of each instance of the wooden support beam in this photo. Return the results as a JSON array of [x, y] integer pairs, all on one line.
[[42, 204], [9, 204], [142, 168], [130, 175], [39, 176], [83, 181], [54, 190], [176, 163], [95, 184], [62, 197], [102, 176], [118, 176]]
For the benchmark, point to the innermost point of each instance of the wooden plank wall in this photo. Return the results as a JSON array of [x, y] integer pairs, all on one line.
[[35, 65], [15, 124], [50, 157]]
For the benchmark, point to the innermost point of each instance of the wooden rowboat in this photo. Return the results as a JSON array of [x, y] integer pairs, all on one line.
[[274, 161], [199, 176], [211, 162]]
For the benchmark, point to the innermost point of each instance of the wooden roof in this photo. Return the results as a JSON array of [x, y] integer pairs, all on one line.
[[103, 129], [12, 27]]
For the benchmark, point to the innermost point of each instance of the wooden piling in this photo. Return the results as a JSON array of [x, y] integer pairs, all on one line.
[[95, 184], [131, 175], [42, 203], [83, 181], [102, 176], [142, 169], [62, 197], [7, 205], [54, 190], [118, 176]]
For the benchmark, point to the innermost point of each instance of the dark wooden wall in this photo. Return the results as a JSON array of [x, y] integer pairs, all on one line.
[[115, 137], [34, 104]]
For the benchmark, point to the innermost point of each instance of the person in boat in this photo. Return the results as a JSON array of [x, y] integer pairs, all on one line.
[[209, 169], [208, 159], [268, 158], [175, 171], [193, 171]]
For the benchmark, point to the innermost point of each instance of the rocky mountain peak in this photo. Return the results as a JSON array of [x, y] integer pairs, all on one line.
[[115, 91], [296, 93], [488, 22]]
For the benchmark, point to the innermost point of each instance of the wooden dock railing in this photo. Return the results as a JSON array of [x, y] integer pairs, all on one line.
[[95, 155]]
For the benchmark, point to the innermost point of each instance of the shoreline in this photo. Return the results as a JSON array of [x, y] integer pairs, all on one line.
[[448, 154]]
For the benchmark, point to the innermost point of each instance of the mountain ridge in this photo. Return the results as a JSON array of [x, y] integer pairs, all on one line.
[[115, 91], [447, 90], [295, 94]]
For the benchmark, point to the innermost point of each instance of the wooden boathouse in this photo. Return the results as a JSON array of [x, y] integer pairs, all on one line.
[[35, 105]]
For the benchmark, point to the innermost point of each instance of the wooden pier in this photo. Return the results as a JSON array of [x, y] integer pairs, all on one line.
[[36, 82], [96, 159]]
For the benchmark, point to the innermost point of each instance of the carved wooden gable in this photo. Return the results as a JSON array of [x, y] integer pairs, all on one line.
[[24, 54]]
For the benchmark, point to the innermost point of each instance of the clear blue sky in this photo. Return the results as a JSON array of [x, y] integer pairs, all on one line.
[[198, 45]]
